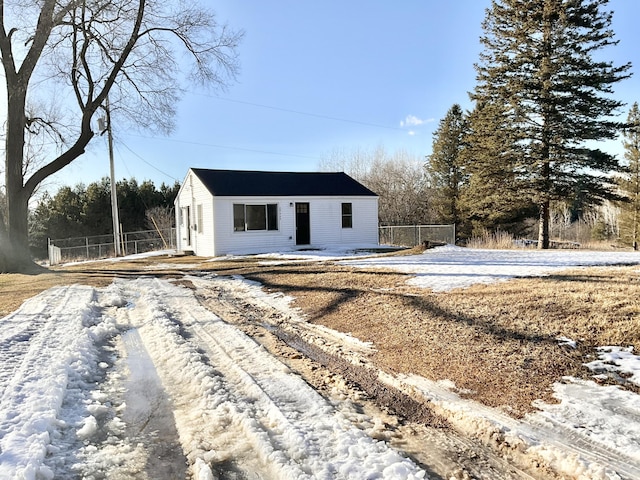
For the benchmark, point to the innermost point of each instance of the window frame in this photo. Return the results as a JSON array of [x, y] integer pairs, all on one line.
[[199, 217], [347, 216], [262, 221]]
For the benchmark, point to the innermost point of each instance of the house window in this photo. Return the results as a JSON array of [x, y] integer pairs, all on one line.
[[347, 215], [238, 218], [255, 217], [199, 220]]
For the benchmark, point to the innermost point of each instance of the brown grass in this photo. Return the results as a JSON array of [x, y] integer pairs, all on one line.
[[496, 342], [492, 240]]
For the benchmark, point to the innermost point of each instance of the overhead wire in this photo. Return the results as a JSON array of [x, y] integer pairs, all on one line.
[[148, 163], [271, 107], [229, 147], [299, 112], [202, 144]]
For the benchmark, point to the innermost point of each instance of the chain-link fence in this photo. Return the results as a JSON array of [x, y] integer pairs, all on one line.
[[102, 246], [412, 235]]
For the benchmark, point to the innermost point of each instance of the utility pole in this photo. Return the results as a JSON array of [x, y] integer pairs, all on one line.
[[114, 197]]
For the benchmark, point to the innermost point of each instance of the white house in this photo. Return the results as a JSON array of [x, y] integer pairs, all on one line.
[[220, 212]]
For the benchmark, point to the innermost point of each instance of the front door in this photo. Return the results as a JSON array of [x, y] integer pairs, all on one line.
[[303, 230], [187, 222]]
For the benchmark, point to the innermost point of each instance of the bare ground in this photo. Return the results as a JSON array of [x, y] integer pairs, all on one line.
[[498, 342]]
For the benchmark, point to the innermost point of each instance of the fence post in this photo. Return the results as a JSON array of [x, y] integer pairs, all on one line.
[[86, 243]]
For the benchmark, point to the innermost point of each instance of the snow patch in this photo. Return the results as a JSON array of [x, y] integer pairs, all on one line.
[[445, 268], [618, 360], [566, 342], [53, 362]]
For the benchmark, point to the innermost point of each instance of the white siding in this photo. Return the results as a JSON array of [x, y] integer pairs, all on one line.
[[228, 241], [193, 194], [365, 222], [326, 221], [216, 235], [325, 217]]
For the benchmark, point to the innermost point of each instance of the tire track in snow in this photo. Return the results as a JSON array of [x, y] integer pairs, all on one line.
[[276, 425], [602, 459], [550, 447], [22, 330], [148, 413], [42, 364], [535, 439], [445, 451], [28, 350]]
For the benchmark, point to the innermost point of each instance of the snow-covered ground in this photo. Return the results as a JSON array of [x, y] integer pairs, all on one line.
[[64, 414], [86, 373], [449, 267]]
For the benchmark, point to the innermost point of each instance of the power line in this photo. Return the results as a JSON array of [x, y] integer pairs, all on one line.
[[299, 112], [148, 163], [201, 144]]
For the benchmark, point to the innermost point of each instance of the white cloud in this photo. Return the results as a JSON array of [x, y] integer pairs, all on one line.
[[412, 132], [413, 121]]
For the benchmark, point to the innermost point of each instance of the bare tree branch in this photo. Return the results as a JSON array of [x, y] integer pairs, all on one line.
[[89, 50]]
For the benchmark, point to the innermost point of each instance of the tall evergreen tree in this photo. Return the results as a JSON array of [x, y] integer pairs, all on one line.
[[495, 195], [630, 181], [539, 61], [445, 169]]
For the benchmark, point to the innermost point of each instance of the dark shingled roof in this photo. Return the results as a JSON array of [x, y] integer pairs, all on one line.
[[231, 183]]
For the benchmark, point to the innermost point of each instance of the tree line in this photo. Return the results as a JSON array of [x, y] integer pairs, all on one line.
[[543, 102], [86, 210], [480, 194]]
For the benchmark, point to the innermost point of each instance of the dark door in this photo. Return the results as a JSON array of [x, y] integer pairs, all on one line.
[[188, 225], [303, 230]]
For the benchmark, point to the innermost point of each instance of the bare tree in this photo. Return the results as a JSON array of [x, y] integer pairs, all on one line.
[[160, 218], [79, 52], [357, 162], [399, 179], [629, 180]]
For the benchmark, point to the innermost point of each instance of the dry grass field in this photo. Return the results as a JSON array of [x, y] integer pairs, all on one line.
[[497, 342]]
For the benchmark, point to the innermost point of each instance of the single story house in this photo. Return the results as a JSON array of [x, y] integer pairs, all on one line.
[[222, 212]]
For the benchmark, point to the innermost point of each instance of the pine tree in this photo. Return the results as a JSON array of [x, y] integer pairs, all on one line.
[[630, 181], [539, 62], [496, 195], [86, 211], [444, 168]]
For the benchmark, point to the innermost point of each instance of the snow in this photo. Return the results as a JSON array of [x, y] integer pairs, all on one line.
[[63, 414], [449, 267], [566, 342], [74, 361], [619, 360]]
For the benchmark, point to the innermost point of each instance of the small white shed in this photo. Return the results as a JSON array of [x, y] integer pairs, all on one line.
[[222, 212]]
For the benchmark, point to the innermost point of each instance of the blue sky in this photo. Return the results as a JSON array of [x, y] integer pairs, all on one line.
[[317, 77]]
